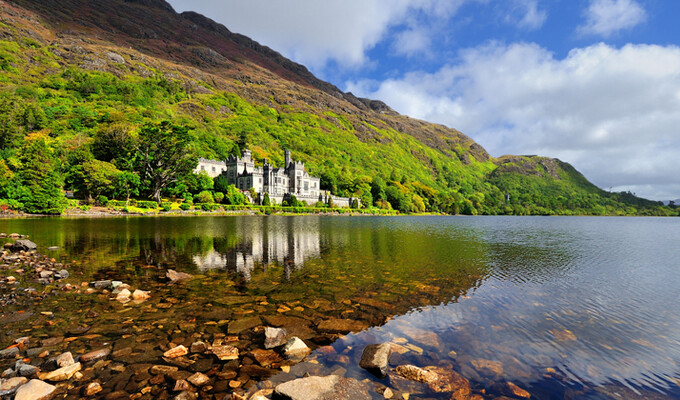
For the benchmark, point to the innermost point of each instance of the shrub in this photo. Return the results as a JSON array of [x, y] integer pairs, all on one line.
[[147, 204], [166, 207], [185, 206], [103, 200], [219, 196], [205, 197]]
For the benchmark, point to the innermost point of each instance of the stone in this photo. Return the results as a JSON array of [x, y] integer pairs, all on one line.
[[115, 57], [330, 387], [62, 274], [225, 352], [266, 357], [295, 348], [162, 370], [175, 276], [61, 374], [35, 389], [198, 347], [181, 385], [123, 295], [95, 355], [487, 367], [93, 388], [11, 385], [102, 284], [343, 326], [510, 389], [65, 359], [438, 379], [176, 352], [26, 370], [375, 359], [23, 244], [238, 326], [140, 295], [274, 337], [186, 395], [11, 352], [198, 379]]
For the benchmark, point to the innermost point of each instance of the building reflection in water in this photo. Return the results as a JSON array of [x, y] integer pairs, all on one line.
[[262, 242]]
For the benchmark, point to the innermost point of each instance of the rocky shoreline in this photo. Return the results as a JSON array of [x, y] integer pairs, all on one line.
[[251, 353]]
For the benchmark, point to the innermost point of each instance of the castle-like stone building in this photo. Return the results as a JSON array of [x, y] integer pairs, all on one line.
[[291, 179]]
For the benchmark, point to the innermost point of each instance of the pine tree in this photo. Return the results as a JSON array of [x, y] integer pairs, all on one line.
[[39, 175]]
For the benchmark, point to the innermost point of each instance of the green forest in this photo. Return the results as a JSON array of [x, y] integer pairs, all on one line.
[[120, 136]]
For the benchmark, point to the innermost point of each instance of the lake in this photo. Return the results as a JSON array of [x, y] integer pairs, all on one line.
[[563, 307]]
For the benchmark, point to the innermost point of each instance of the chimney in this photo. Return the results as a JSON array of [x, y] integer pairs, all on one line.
[[287, 155]]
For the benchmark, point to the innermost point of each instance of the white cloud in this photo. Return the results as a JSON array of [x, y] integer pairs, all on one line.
[[612, 113], [526, 14], [314, 32], [607, 17]]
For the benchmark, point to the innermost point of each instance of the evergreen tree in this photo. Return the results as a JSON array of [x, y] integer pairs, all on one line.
[[38, 173]]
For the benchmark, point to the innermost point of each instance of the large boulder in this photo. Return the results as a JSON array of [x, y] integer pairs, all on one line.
[[23, 244], [35, 389], [330, 387]]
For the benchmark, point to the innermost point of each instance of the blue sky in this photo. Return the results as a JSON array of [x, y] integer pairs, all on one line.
[[595, 83]]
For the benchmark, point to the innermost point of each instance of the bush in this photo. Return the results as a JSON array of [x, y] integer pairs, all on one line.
[[205, 197], [185, 206], [166, 206], [219, 196], [103, 201], [147, 204]]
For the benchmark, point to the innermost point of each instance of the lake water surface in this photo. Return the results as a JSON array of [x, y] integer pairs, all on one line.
[[567, 308]]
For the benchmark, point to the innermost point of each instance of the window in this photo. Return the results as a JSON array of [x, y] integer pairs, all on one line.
[[259, 180], [202, 167], [306, 186], [213, 169]]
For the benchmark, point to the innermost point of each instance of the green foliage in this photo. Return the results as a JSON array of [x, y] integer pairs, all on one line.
[[266, 201], [204, 197], [99, 178], [39, 176], [185, 206], [218, 196]]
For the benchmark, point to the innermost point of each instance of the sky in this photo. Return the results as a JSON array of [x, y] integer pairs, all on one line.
[[595, 83]]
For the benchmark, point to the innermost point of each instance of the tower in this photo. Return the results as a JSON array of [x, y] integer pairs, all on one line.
[[287, 159]]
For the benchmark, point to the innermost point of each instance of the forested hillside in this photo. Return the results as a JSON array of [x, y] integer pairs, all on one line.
[[94, 94]]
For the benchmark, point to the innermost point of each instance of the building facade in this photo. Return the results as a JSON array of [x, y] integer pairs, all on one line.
[[277, 182]]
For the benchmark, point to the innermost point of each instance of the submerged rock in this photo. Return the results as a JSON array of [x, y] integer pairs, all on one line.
[[35, 389], [342, 325], [61, 374], [95, 355], [330, 387], [176, 352], [175, 276], [11, 385], [438, 379], [375, 359], [295, 348], [93, 388], [274, 337]]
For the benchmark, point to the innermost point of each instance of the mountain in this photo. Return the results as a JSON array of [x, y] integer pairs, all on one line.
[[80, 69]]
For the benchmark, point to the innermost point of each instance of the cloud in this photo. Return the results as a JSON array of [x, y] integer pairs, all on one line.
[[611, 112], [526, 14], [607, 17], [315, 32]]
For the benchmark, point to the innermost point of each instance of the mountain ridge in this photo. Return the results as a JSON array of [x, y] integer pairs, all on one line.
[[235, 92]]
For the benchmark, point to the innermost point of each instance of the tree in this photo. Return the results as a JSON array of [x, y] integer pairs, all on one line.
[[99, 178], [39, 176], [127, 183], [266, 201], [221, 183], [163, 156], [10, 133], [116, 144]]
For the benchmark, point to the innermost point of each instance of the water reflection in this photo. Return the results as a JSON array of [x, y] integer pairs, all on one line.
[[261, 243]]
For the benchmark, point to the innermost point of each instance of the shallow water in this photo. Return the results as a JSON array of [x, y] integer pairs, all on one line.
[[564, 307]]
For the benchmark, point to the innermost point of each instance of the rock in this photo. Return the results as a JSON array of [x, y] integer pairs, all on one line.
[[53, 248], [102, 284], [61, 374], [330, 387], [375, 359], [175, 276], [12, 352], [487, 367], [510, 389], [186, 396], [62, 274], [93, 388], [225, 352], [95, 355], [181, 385], [274, 337], [123, 295], [438, 379], [342, 326], [115, 57], [238, 326], [26, 370], [65, 359], [176, 352], [140, 295], [11, 385], [198, 379], [23, 244], [198, 347], [162, 369], [265, 357], [296, 348], [35, 389]]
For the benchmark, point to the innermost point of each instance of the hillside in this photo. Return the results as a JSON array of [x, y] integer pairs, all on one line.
[[82, 78]]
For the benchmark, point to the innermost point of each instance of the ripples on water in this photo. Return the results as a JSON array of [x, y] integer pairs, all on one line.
[[571, 307]]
